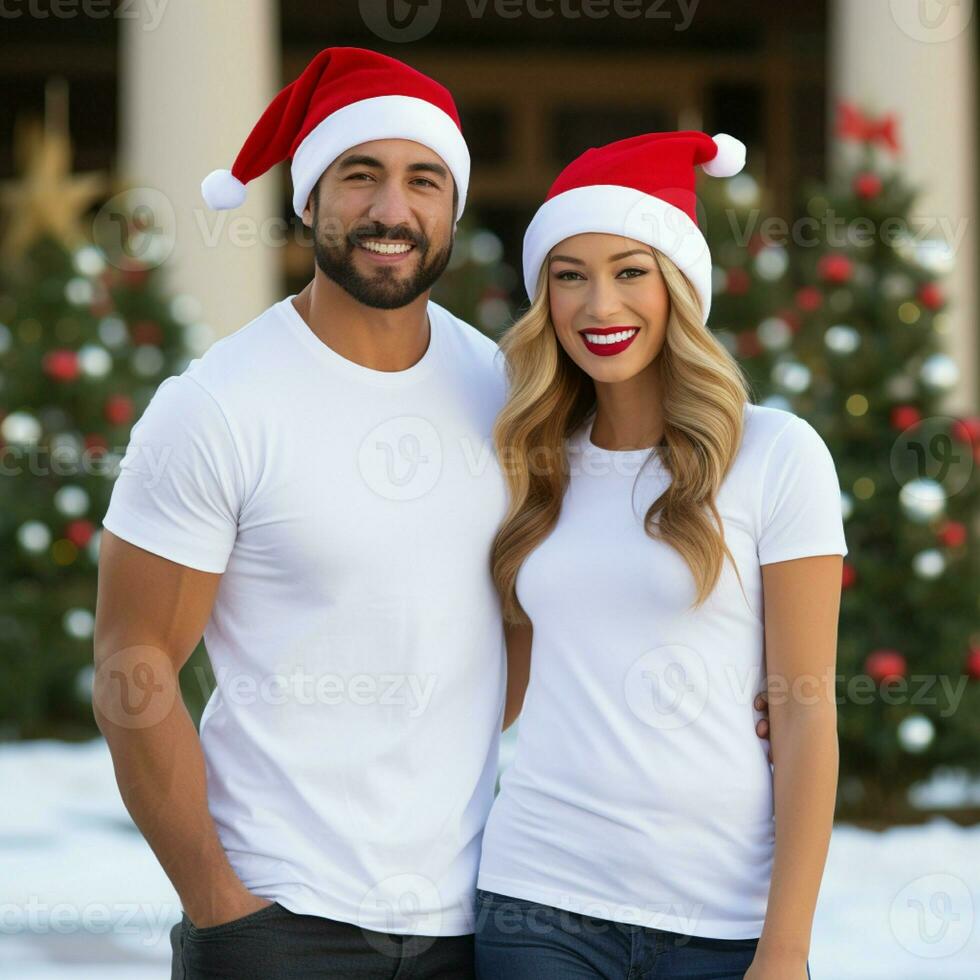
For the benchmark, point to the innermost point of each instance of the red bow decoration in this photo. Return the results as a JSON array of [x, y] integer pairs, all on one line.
[[852, 124]]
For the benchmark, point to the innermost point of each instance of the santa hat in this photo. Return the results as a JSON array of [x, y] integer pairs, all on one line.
[[344, 97], [640, 188]]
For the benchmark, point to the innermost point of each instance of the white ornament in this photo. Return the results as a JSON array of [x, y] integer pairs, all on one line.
[[71, 500], [21, 427], [34, 536], [922, 500], [774, 333], [78, 623], [112, 331], [792, 376], [929, 564], [842, 339], [95, 361], [771, 263], [939, 372], [915, 733]]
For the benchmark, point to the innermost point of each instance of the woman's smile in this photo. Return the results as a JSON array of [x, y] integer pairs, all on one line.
[[606, 341]]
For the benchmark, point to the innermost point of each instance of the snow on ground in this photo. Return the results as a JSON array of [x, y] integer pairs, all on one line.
[[83, 898]]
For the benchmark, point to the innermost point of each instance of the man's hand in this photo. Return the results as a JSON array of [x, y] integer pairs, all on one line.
[[241, 903], [761, 703]]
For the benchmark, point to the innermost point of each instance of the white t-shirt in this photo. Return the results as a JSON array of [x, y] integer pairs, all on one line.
[[639, 790], [351, 743]]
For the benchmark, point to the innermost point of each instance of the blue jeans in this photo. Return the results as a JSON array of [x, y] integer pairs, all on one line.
[[518, 939]]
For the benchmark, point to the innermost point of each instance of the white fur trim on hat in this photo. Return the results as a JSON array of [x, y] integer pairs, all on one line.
[[222, 190], [729, 159], [625, 211], [384, 117]]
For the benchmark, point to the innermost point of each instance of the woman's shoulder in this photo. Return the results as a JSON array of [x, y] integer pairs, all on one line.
[[763, 426]]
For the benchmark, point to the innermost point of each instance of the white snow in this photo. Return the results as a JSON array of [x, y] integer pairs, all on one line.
[[83, 898]]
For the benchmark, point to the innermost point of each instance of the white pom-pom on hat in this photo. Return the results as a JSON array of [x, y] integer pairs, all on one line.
[[222, 190], [729, 159]]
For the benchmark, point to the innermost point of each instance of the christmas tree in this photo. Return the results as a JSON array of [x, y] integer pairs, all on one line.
[[85, 338], [752, 312], [868, 369]]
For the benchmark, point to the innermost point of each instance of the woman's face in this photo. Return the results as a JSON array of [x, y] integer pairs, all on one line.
[[609, 304]]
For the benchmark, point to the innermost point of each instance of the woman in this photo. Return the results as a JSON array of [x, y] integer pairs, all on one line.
[[668, 546]]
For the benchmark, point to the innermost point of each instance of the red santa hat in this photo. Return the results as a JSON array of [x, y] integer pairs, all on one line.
[[641, 188], [344, 97]]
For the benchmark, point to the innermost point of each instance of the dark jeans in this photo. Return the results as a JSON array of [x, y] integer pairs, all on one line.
[[523, 940], [276, 944]]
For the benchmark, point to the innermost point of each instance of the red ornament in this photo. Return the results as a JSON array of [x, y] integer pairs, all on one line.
[[972, 666], [135, 277], [79, 533], [809, 298], [119, 409], [95, 440], [835, 268], [931, 296], [792, 318], [867, 185], [952, 534], [61, 364], [904, 417], [885, 665], [146, 332], [967, 430], [747, 343], [848, 575], [737, 282]]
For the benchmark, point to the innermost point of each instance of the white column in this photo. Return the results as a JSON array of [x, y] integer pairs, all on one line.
[[193, 81], [918, 60]]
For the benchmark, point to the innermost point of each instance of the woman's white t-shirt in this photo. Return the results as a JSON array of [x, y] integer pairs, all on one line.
[[639, 790]]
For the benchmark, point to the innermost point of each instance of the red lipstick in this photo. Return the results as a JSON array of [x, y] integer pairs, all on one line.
[[606, 348]]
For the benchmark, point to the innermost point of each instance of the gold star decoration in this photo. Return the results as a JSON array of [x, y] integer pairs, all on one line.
[[47, 199]]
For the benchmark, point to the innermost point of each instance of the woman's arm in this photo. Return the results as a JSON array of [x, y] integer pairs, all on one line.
[[802, 606], [518, 670]]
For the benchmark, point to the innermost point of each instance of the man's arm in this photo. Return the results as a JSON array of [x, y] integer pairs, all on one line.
[[150, 615]]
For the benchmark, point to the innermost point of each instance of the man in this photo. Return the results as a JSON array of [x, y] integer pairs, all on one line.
[[317, 494]]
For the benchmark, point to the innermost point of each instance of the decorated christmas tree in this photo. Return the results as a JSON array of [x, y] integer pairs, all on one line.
[[752, 311], [869, 369], [85, 338]]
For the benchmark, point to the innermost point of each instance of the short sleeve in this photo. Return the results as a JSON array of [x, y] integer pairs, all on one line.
[[180, 483], [800, 513]]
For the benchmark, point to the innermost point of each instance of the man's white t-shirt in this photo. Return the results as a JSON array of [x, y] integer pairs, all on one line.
[[639, 791], [356, 639]]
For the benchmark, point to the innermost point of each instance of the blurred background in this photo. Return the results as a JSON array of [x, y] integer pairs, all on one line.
[[845, 281]]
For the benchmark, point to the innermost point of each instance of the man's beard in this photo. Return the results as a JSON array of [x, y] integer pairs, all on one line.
[[383, 290]]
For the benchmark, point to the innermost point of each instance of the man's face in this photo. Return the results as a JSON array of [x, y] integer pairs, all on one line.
[[383, 220]]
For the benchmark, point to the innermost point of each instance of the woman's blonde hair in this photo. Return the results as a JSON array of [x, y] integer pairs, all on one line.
[[704, 396]]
